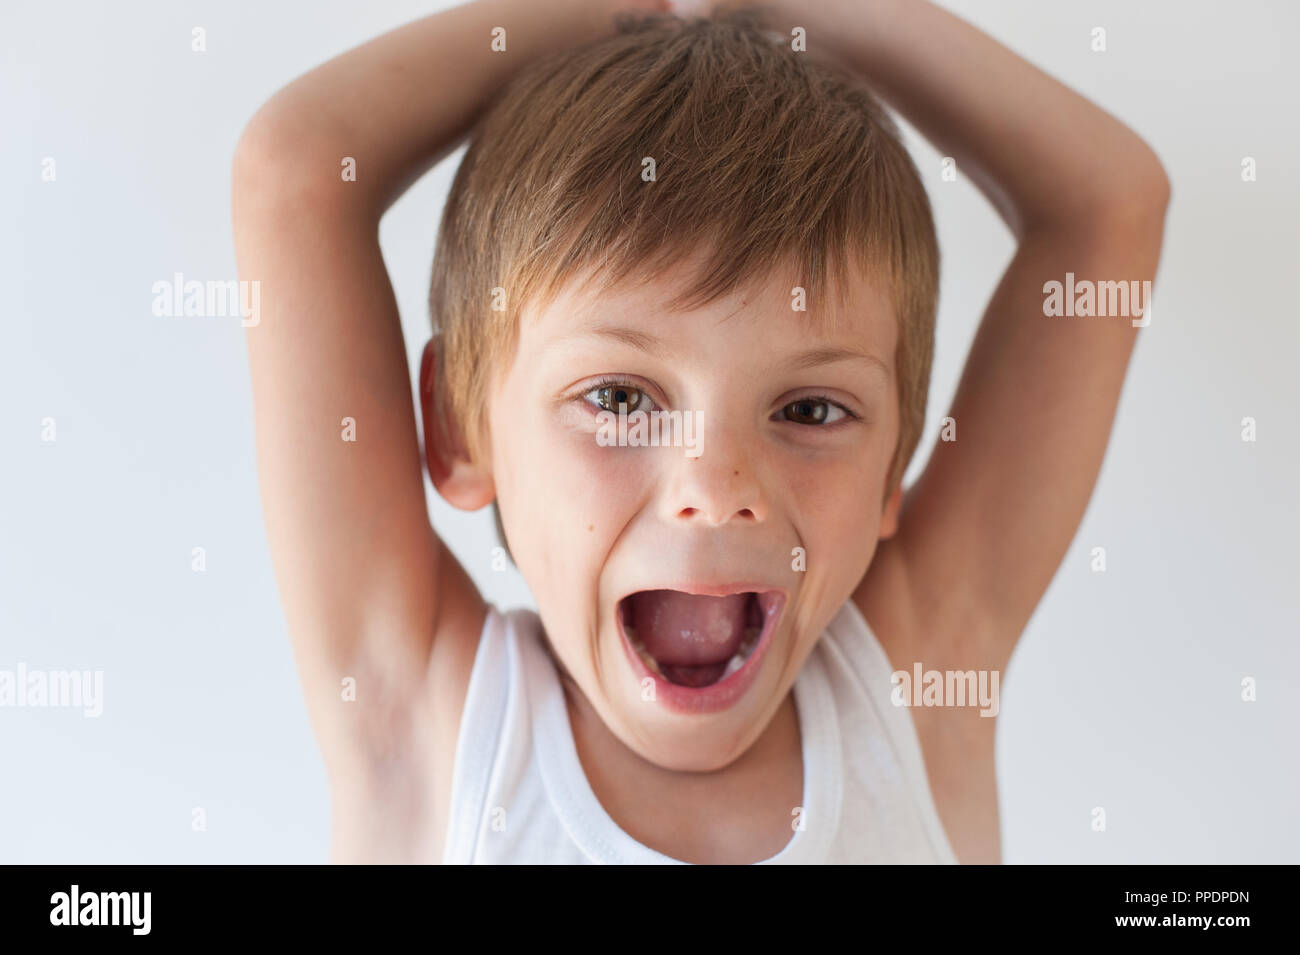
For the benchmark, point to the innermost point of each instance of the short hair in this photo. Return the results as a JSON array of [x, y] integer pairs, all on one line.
[[771, 155]]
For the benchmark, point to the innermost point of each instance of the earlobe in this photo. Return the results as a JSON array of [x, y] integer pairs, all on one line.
[[461, 482], [889, 518], [465, 486]]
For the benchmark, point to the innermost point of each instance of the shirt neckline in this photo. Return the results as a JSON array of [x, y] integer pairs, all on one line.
[[602, 840]]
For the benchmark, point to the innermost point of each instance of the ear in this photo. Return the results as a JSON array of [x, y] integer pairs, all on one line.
[[889, 518], [461, 482]]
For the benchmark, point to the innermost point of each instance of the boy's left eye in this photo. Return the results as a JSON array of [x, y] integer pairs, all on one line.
[[812, 411]]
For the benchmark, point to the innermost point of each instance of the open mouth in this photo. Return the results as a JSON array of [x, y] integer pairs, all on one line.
[[696, 640]]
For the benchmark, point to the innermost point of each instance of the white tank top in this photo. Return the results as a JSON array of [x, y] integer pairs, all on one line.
[[519, 794]]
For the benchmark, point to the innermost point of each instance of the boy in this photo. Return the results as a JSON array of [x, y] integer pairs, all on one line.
[[709, 217]]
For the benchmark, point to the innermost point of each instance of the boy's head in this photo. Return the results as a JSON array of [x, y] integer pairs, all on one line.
[[688, 216]]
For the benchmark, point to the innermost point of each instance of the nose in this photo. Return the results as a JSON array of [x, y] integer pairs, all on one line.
[[719, 486]]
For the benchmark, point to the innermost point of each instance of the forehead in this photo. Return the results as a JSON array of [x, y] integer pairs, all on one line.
[[854, 310]]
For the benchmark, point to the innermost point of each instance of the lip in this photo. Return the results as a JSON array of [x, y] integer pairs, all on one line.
[[719, 696]]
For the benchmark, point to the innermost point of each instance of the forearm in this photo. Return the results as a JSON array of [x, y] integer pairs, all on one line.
[[1045, 156], [400, 102]]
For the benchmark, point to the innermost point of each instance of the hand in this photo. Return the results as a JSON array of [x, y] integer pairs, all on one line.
[[687, 9], [690, 8], [680, 8]]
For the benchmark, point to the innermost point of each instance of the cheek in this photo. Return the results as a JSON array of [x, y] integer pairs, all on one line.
[[592, 491], [568, 498], [833, 503]]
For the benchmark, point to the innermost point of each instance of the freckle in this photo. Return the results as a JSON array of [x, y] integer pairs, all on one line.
[[591, 527]]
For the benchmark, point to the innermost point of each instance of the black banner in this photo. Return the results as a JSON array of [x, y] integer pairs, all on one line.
[[330, 903]]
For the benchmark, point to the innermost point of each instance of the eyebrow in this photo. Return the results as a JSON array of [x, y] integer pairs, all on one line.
[[816, 357], [642, 341], [812, 358]]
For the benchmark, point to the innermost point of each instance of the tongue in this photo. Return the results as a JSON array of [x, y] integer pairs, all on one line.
[[687, 630]]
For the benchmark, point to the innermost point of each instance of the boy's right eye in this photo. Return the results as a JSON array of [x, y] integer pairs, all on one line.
[[620, 398]]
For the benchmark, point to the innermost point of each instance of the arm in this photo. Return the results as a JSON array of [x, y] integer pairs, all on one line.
[[983, 531], [368, 589]]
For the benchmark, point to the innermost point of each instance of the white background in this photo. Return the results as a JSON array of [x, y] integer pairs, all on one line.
[[1124, 693]]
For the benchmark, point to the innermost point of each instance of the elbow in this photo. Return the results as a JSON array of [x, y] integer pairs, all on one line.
[[263, 157], [1161, 188], [1154, 189], [250, 151], [283, 160], [253, 167], [1128, 197], [1138, 200]]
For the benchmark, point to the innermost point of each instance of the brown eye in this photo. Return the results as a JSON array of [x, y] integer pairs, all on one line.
[[620, 399], [812, 411]]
